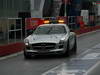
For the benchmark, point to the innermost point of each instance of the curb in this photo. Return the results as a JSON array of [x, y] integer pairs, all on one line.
[[11, 48]]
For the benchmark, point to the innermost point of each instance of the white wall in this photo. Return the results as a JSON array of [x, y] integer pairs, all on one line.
[[85, 14], [36, 13], [98, 7]]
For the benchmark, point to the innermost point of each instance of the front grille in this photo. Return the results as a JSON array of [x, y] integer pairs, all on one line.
[[43, 46]]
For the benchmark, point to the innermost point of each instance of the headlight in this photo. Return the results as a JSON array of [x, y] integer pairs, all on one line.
[[61, 42], [26, 41], [62, 39]]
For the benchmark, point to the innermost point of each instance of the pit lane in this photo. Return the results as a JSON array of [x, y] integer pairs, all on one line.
[[87, 57], [81, 65]]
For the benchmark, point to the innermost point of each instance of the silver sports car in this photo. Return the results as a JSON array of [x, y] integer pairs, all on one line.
[[50, 39]]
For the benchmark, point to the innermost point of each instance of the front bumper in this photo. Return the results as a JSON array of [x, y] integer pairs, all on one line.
[[35, 52]]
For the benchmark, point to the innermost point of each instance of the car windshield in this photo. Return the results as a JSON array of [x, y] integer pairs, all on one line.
[[50, 30]]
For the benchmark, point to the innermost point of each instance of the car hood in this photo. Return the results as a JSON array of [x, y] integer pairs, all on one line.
[[55, 38]]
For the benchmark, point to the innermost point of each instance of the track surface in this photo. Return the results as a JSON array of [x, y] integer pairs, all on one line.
[[87, 57]]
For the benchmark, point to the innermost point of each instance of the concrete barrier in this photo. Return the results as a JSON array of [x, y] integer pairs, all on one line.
[[11, 48], [86, 29], [17, 47]]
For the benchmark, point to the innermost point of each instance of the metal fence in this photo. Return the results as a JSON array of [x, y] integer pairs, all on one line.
[[11, 30]]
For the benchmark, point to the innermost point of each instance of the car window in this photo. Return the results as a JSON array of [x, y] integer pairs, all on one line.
[[57, 30], [42, 30], [50, 30]]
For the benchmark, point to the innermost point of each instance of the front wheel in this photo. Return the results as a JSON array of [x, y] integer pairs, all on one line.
[[74, 49], [26, 56], [67, 52]]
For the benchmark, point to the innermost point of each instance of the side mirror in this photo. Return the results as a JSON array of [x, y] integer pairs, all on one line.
[[30, 32]]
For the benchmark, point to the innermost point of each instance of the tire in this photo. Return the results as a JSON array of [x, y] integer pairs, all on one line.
[[67, 52], [26, 56], [74, 49]]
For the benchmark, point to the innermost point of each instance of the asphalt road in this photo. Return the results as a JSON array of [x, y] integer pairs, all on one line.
[[56, 65]]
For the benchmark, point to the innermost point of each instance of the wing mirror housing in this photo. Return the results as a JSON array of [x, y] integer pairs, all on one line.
[[29, 32]]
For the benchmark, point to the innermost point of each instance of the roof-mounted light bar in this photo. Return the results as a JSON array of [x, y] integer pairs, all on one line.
[[61, 21], [46, 21]]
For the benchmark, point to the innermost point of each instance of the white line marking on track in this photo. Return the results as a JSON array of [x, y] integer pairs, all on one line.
[[65, 71], [87, 33], [52, 70], [12, 55], [85, 59], [91, 56], [84, 52], [62, 71], [97, 46], [92, 68]]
